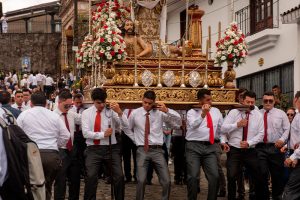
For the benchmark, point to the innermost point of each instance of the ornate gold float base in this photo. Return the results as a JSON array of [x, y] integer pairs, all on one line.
[[175, 97]]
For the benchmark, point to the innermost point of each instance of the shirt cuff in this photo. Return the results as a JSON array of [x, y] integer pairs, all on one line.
[[293, 157], [99, 135]]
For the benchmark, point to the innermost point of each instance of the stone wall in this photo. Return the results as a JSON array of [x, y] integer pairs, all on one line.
[[41, 48]]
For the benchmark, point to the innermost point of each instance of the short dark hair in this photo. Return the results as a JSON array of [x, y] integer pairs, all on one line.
[[99, 94], [78, 96], [249, 94], [26, 90], [65, 95], [202, 92], [4, 97], [297, 95], [38, 99], [18, 92], [268, 94], [275, 86], [150, 94], [291, 108]]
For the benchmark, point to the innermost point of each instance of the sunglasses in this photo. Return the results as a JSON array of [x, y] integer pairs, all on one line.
[[68, 106], [268, 101], [290, 114]]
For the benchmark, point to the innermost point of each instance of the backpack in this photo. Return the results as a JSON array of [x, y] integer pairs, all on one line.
[[26, 179]]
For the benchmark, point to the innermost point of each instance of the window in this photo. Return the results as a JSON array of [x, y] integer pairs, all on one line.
[[261, 15], [263, 81]]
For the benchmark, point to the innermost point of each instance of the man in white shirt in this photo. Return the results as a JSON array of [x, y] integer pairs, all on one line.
[[19, 101], [24, 83], [15, 77], [26, 98], [98, 123], [291, 190], [276, 130], [48, 131], [243, 130], [39, 79], [203, 129], [145, 128], [48, 85], [70, 167], [79, 140]]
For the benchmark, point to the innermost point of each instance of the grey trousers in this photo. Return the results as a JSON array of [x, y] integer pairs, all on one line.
[[198, 154], [94, 157], [51, 165], [160, 166]]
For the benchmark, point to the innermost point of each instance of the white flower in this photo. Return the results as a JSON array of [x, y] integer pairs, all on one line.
[[223, 58], [235, 51], [109, 40], [109, 57], [119, 56], [109, 32]]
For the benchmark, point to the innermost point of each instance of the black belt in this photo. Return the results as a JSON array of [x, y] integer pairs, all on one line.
[[261, 145], [48, 151], [152, 146], [203, 142]]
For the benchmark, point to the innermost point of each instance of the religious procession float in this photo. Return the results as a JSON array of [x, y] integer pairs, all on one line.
[[124, 52]]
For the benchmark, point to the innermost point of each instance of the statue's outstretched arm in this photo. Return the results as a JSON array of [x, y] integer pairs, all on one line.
[[146, 47]]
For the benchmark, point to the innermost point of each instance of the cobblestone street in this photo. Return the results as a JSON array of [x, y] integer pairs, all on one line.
[[153, 192]]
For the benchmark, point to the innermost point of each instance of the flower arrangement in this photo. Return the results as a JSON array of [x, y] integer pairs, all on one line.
[[106, 43], [232, 47], [118, 12], [84, 55], [109, 45]]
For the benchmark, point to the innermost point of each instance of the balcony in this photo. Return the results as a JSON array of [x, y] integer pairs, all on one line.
[[258, 16]]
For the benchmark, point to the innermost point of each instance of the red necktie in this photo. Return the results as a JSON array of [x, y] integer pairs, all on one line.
[[97, 126], [245, 129], [147, 132], [69, 143], [211, 128], [266, 126], [129, 112], [77, 126]]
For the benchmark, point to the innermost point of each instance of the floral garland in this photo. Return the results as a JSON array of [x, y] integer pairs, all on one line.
[[84, 56], [118, 12], [109, 45], [232, 47]]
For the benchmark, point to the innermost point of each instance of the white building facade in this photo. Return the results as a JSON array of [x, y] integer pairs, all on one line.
[[274, 46]]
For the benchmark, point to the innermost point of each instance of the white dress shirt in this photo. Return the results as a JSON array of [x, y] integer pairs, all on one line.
[[278, 125], [73, 118], [197, 129], [44, 127], [34, 81], [39, 77], [23, 108], [235, 135], [24, 82], [30, 79], [177, 131], [74, 109], [108, 117], [15, 78], [49, 81], [134, 126], [295, 136]]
